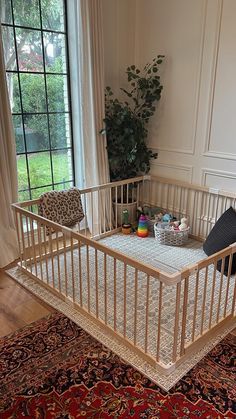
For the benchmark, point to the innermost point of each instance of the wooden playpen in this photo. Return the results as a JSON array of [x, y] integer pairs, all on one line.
[[162, 317]]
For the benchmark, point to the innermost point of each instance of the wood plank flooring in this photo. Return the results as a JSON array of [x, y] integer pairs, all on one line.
[[18, 307]]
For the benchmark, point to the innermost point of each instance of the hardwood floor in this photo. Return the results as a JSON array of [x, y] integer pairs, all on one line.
[[18, 307]]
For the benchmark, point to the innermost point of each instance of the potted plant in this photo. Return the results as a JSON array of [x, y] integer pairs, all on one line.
[[126, 122]]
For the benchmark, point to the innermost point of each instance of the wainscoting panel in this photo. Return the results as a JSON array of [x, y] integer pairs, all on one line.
[[222, 179]]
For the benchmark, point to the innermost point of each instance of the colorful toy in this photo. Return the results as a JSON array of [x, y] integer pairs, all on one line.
[[142, 226]]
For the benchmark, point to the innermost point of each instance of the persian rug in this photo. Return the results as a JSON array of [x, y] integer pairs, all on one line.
[[54, 369]]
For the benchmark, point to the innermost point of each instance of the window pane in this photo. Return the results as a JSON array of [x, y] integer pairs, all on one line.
[[36, 132], [9, 48], [55, 52], [39, 169], [29, 50], [59, 130], [19, 136], [26, 13], [6, 15], [64, 185], [22, 173], [24, 196], [14, 94], [62, 166], [33, 92], [37, 192], [53, 14], [57, 93]]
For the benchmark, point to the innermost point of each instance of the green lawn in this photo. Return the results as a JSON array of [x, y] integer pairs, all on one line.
[[40, 172]]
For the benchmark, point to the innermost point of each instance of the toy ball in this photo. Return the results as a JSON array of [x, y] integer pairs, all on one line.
[[142, 226]]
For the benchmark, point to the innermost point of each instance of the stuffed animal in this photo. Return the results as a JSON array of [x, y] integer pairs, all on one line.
[[184, 224], [166, 218]]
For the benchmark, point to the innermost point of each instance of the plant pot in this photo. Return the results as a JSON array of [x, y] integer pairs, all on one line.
[[118, 209], [126, 228]]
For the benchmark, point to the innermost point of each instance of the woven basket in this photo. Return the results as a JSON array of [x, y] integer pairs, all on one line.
[[170, 237]]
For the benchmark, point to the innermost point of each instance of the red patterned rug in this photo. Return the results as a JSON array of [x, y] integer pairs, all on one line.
[[54, 369]]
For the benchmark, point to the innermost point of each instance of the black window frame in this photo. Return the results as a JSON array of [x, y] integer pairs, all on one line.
[[22, 114]]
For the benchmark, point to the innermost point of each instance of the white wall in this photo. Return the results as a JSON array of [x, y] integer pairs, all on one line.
[[194, 128]]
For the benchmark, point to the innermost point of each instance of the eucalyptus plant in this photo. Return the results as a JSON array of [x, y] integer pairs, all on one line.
[[126, 122]]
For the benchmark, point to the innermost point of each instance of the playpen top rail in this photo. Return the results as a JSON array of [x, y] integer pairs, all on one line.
[[90, 189], [168, 279], [187, 185], [157, 179]]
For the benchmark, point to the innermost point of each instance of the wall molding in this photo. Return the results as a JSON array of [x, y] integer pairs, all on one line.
[[197, 90], [188, 169], [218, 173], [220, 155], [170, 150], [207, 151]]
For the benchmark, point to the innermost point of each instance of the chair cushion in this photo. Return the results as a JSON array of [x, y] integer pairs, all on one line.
[[222, 235]]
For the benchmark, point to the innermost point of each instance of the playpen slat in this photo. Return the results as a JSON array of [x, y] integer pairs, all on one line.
[[88, 277], [23, 252], [65, 264], [99, 211], [92, 215], [138, 195], [110, 212], [115, 297], [28, 241], [234, 296], [116, 220], [200, 214], [159, 322], [33, 243], [96, 282], [184, 316], [125, 283], [204, 299], [80, 274], [221, 285], [132, 192], [86, 215], [208, 225], [105, 286], [176, 326], [51, 257], [40, 249], [72, 268], [135, 304], [212, 295], [228, 283], [195, 306], [147, 313], [18, 234], [58, 262], [46, 253]]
